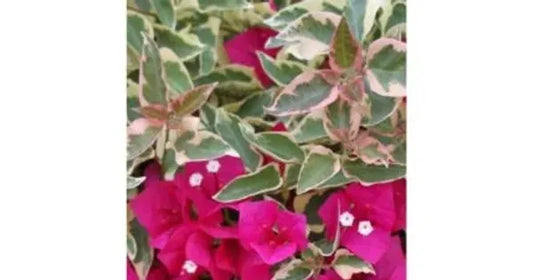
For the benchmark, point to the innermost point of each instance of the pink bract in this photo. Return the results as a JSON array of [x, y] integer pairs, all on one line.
[[373, 204], [273, 233], [242, 49]]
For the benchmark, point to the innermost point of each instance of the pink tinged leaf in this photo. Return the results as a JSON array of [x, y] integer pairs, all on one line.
[[192, 100], [241, 49], [386, 67], [345, 50], [371, 247], [138, 126], [309, 91]]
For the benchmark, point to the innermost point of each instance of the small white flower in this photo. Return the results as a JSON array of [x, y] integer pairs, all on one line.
[[346, 219], [213, 166], [189, 267], [365, 228], [196, 179]]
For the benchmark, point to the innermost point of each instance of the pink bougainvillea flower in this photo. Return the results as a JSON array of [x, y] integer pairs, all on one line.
[[242, 49], [329, 274], [157, 272], [158, 208], [231, 256], [400, 189], [273, 233], [367, 217], [392, 265]]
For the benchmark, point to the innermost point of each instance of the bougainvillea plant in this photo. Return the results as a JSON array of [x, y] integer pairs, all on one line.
[[266, 139]]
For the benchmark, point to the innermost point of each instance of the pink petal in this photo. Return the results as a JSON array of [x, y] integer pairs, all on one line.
[[392, 264], [230, 168], [329, 274], [227, 254], [375, 203], [198, 249], [242, 48], [255, 218], [400, 189], [329, 212], [131, 274], [369, 248], [295, 226], [274, 254]]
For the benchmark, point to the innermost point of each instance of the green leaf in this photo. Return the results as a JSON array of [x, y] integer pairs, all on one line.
[[227, 126], [198, 146], [175, 74], [310, 128], [207, 33], [192, 100], [141, 135], [308, 91], [338, 180], [326, 247], [169, 165], [294, 270], [233, 79], [393, 18], [308, 36], [381, 107], [217, 5], [399, 153], [208, 116], [282, 72], [345, 48], [372, 174], [254, 105], [338, 120], [290, 177], [166, 12], [346, 265], [280, 146], [291, 13], [360, 15], [183, 43], [386, 60], [140, 253], [263, 180], [319, 165], [150, 75], [137, 24], [134, 182]]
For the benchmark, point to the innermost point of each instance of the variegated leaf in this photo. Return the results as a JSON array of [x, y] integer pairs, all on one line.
[[169, 164], [399, 153], [166, 12], [338, 180], [325, 246], [294, 270], [263, 180], [145, 156], [144, 5], [386, 61], [254, 105], [307, 92], [140, 253], [282, 72], [227, 126], [290, 13], [346, 52], [278, 145], [372, 174], [198, 146], [175, 74], [183, 43], [310, 128], [381, 107], [346, 264], [337, 120], [371, 151], [217, 5], [308, 36], [290, 178], [134, 182], [141, 135], [233, 79], [320, 165], [207, 33], [360, 15], [137, 24], [152, 87], [393, 19], [208, 116], [192, 100]]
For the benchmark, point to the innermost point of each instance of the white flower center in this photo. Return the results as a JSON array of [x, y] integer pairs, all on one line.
[[213, 166], [365, 228], [346, 219], [189, 267], [196, 179]]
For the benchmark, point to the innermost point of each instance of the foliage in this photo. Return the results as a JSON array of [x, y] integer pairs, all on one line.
[[303, 99]]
